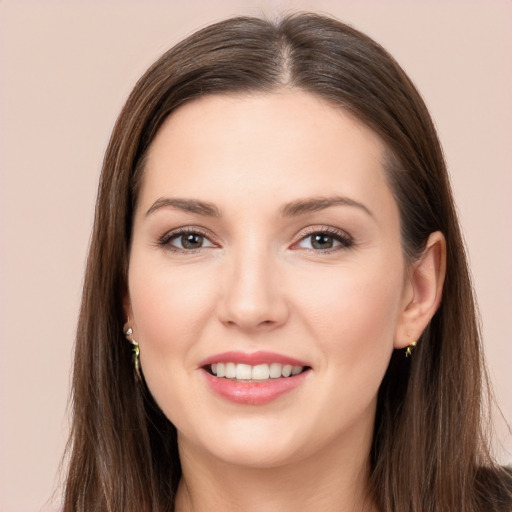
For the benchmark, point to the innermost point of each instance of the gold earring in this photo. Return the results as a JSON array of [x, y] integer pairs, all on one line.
[[408, 350], [135, 352]]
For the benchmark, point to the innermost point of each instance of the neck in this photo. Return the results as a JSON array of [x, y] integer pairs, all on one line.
[[335, 480]]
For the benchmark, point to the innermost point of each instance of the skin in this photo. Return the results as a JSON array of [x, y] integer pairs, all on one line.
[[258, 283]]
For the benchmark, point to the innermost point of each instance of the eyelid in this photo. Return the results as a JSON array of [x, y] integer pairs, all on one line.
[[164, 240], [345, 239]]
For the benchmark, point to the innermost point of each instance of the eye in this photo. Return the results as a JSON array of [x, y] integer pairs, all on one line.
[[186, 240], [325, 240]]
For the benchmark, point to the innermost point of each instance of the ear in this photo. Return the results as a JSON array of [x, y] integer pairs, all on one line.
[[422, 292]]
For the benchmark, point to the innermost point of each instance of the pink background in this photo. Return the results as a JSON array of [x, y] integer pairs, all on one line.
[[66, 68]]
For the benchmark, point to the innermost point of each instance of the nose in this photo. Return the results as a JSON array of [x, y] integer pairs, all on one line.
[[253, 293]]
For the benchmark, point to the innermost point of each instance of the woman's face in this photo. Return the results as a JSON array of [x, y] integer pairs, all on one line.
[[266, 241]]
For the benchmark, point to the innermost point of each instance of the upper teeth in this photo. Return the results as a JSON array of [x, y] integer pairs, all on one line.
[[257, 372]]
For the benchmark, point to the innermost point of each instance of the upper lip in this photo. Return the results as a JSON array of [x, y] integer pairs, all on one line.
[[252, 358]]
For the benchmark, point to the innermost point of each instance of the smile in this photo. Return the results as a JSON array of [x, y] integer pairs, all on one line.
[[259, 372], [256, 378]]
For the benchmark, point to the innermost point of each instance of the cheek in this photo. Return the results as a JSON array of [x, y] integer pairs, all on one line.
[[170, 309], [353, 308], [165, 302], [353, 320]]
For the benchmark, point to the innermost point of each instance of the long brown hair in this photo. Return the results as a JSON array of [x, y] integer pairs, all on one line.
[[428, 452]]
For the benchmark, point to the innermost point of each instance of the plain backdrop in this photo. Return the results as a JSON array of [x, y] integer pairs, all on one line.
[[66, 68]]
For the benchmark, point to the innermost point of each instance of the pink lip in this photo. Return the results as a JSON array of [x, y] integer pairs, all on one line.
[[253, 392], [252, 358]]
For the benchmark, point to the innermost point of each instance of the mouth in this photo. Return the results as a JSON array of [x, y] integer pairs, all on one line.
[[254, 373], [254, 378]]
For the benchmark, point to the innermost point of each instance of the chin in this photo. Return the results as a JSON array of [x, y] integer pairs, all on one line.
[[262, 455], [257, 448]]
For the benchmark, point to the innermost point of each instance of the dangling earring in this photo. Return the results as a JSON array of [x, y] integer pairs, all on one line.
[[408, 350], [135, 352]]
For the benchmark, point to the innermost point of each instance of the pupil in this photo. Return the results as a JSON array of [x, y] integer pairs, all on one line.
[[192, 241], [322, 241]]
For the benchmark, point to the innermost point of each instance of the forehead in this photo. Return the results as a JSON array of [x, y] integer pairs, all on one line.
[[287, 143]]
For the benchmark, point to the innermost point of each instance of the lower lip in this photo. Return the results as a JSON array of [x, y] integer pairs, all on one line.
[[253, 392]]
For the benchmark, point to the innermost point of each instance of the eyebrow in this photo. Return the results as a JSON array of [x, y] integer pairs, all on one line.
[[293, 209], [315, 204], [186, 205]]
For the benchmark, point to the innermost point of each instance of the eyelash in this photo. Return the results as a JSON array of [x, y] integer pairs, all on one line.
[[165, 241], [344, 239]]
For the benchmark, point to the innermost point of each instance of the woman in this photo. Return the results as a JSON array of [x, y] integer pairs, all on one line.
[[277, 312]]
